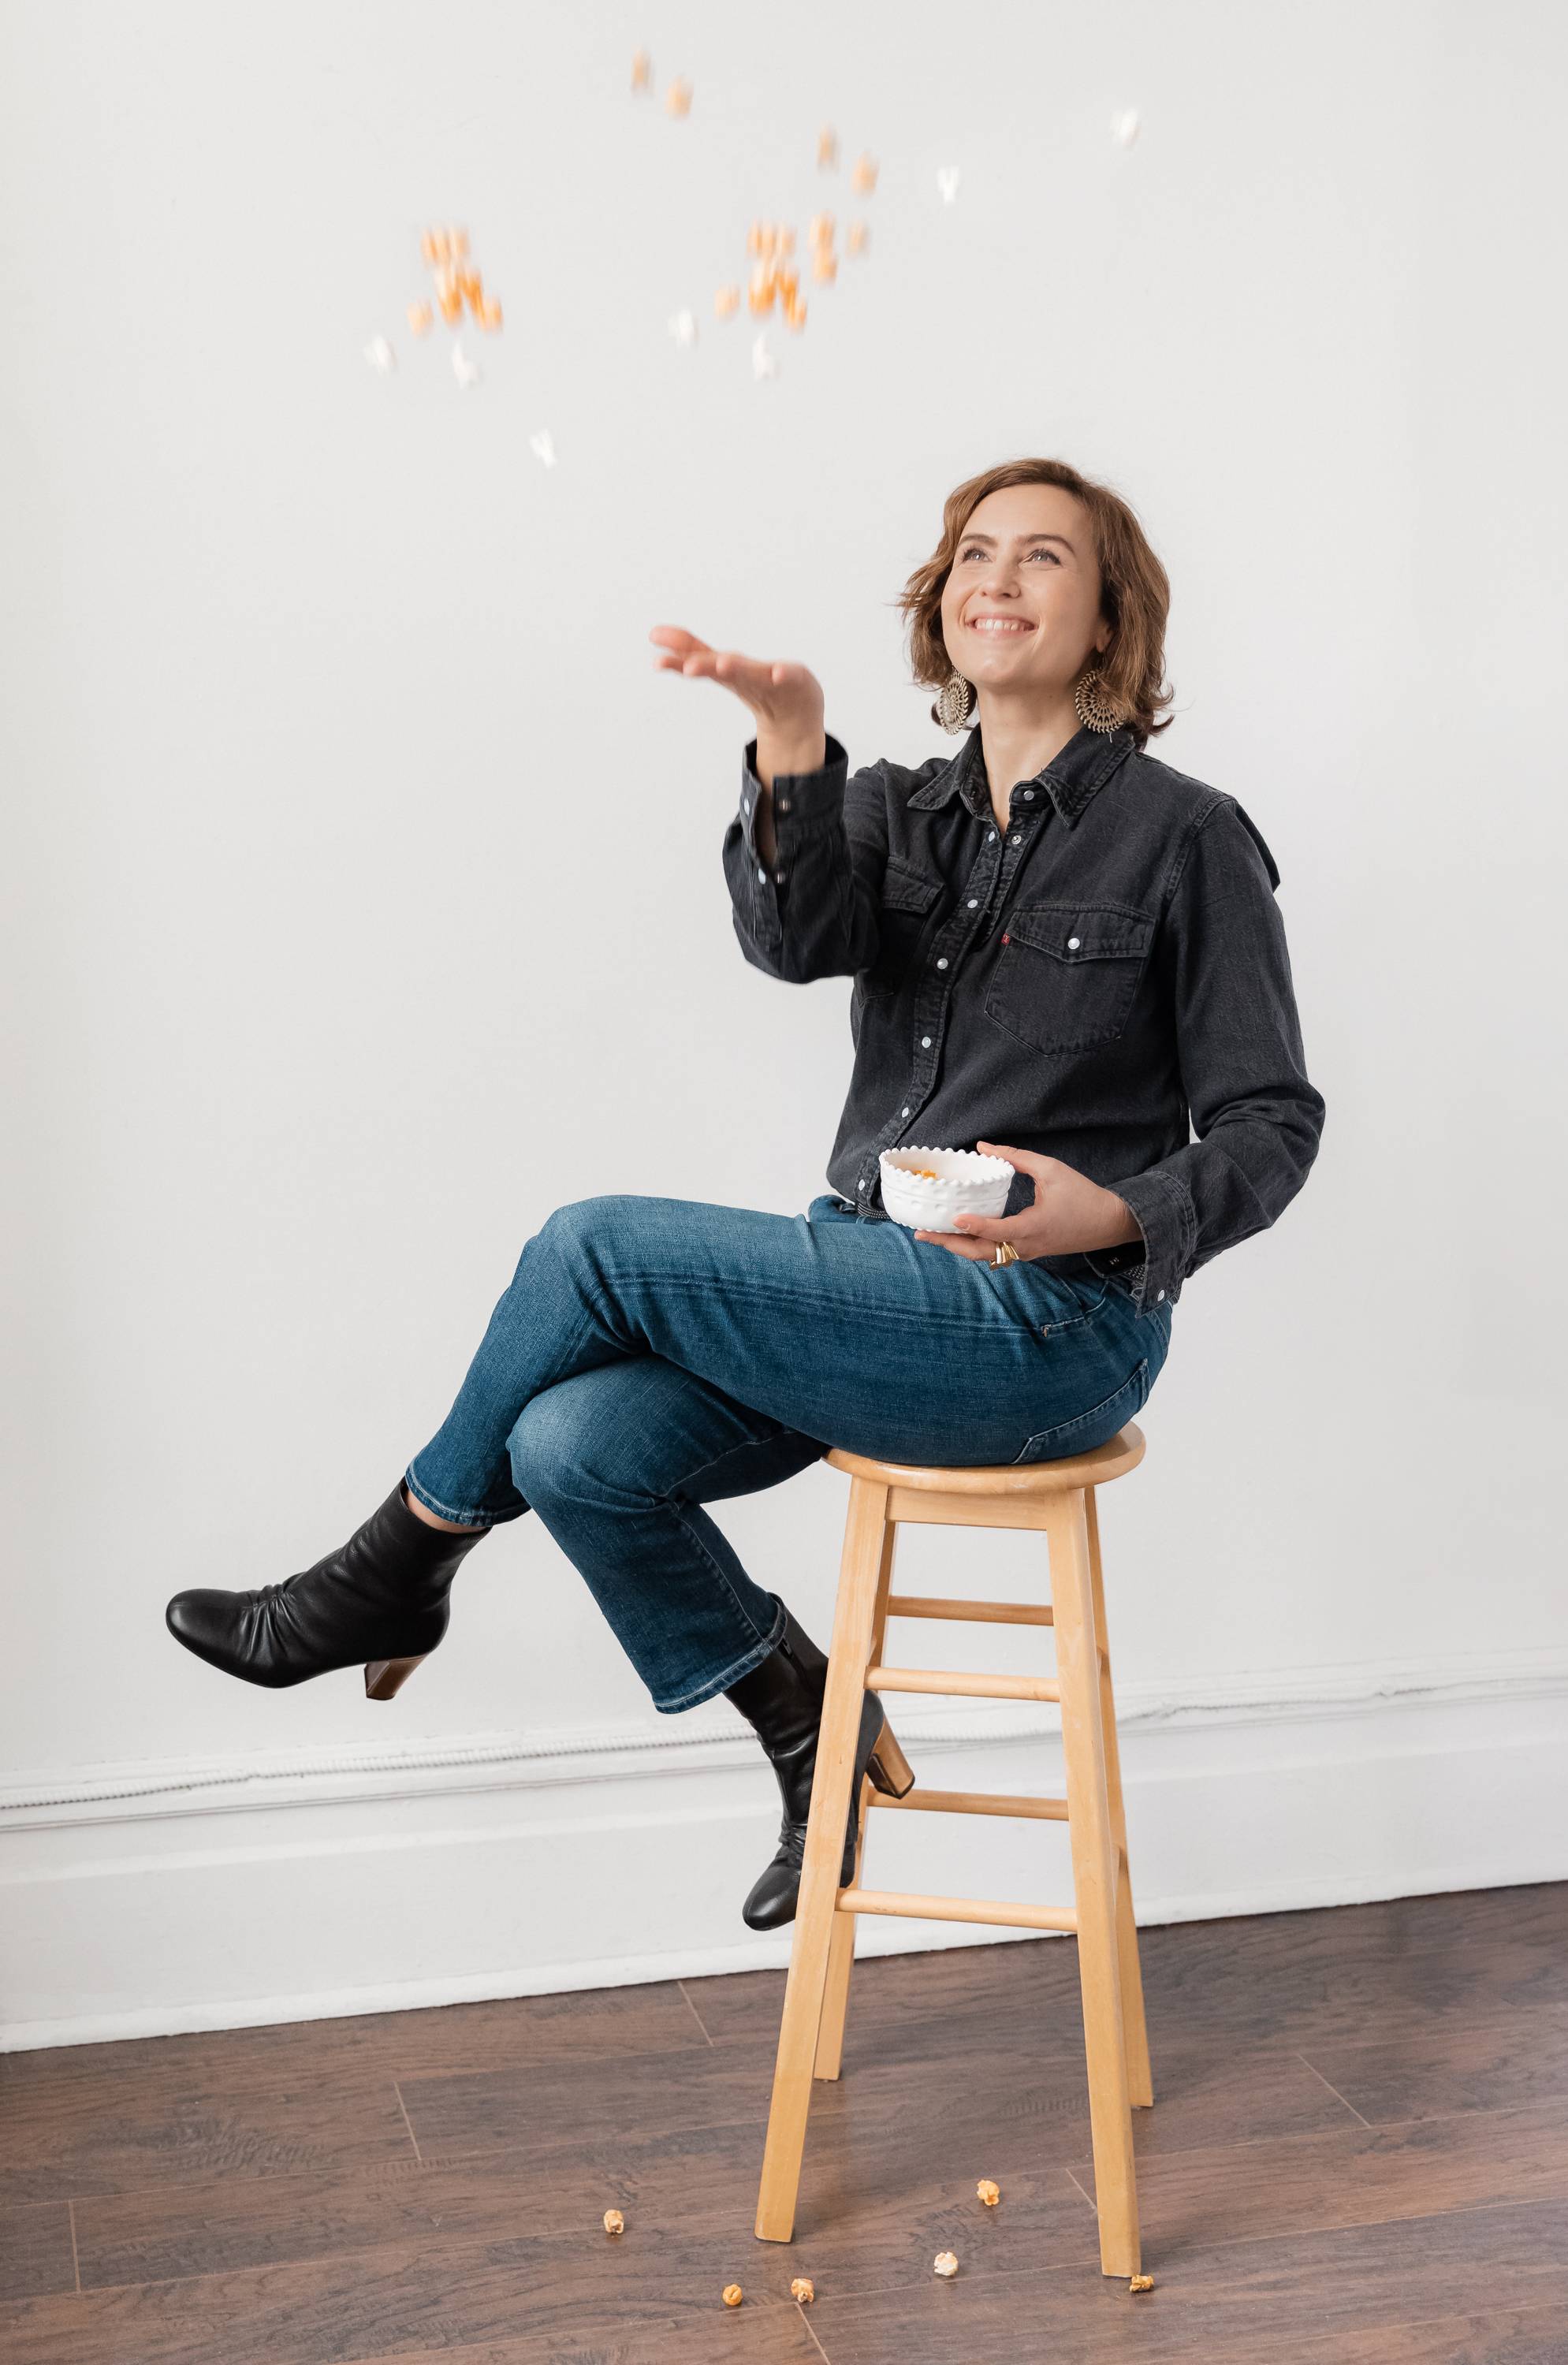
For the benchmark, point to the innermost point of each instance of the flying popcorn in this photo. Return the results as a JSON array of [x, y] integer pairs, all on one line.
[[1125, 127], [542, 447], [762, 364], [947, 181], [380, 356]]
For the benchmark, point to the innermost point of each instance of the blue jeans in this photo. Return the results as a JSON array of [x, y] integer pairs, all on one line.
[[652, 1355]]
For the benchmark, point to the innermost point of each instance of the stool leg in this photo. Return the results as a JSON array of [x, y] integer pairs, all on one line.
[[1094, 1884], [841, 1947], [849, 1656], [1140, 2082]]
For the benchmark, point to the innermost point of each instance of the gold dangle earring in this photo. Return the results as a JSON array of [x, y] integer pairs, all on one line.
[[1092, 711], [956, 702]]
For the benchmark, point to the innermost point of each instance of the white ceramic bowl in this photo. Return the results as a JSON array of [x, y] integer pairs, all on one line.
[[967, 1181]]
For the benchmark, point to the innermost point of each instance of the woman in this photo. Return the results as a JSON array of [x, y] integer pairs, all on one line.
[[1054, 939]]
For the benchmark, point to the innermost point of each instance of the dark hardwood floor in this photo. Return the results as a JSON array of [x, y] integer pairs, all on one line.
[[1358, 2156]]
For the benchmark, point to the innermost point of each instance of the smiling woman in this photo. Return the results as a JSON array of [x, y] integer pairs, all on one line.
[[1054, 939]]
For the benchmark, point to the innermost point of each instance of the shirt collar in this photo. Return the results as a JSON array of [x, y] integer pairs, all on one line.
[[1070, 777]]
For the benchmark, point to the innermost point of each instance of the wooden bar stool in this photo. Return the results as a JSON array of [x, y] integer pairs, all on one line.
[[1057, 1496]]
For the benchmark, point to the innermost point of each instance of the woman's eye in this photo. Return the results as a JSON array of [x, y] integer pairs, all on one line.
[[1042, 550]]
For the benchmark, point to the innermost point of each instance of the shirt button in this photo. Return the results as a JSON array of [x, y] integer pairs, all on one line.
[[1072, 944], [905, 1113], [783, 804], [1157, 1295], [1015, 841], [746, 804], [761, 872], [990, 837], [779, 878], [943, 962], [974, 902], [1028, 796], [925, 1042]]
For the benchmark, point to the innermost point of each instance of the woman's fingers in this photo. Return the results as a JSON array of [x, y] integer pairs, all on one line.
[[783, 695]]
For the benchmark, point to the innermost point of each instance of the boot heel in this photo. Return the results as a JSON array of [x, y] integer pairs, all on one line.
[[383, 1678], [889, 1768]]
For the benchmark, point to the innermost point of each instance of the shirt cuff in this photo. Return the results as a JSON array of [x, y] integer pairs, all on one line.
[[800, 799], [1163, 1211]]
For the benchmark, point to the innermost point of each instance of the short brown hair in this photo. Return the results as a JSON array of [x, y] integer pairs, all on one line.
[[1134, 592]]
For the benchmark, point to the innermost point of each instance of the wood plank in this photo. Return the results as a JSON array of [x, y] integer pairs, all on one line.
[[1351, 2175], [1229, 2303], [36, 2253], [1425, 2072]]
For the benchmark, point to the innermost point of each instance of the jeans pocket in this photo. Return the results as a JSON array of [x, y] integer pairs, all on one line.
[[1087, 1429]]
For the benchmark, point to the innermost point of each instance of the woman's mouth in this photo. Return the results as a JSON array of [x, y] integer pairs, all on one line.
[[999, 627]]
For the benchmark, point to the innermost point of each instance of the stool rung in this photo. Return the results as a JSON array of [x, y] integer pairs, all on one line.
[[973, 1802], [976, 1613], [961, 1686], [957, 1909]]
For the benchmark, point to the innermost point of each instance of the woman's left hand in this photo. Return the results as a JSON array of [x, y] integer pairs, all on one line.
[[1070, 1213]]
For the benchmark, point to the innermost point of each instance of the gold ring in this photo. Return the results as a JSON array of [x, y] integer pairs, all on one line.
[[1004, 1253]]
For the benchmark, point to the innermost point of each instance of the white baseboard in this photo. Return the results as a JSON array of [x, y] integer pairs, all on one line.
[[148, 1899]]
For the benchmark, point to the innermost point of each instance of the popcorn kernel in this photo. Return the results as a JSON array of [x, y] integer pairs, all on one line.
[[613, 2222], [678, 98], [803, 2289], [988, 2192], [1141, 2282], [945, 2263], [733, 2294], [864, 176], [725, 301], [420, 317]]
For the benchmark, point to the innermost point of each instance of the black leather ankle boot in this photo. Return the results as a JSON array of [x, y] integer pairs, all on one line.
[[381, 1599], [782, 1699]]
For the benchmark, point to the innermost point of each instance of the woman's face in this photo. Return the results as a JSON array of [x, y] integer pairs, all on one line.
[[1026, 561]]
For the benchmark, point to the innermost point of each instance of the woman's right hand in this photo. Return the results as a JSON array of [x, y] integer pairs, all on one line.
[[786, 699]]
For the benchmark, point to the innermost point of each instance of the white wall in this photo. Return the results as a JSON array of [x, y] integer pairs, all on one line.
[[363, 903]]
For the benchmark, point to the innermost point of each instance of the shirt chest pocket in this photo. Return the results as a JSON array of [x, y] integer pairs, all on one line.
[[907, 902], [1067, 972]]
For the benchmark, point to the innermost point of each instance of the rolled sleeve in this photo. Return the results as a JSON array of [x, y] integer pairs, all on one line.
[[808, 915], [1258, 1119]]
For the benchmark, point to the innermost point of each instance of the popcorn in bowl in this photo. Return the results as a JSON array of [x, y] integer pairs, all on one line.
[[925, 1189]]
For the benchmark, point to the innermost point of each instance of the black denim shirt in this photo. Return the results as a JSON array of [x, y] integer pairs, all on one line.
[[1098, 982]]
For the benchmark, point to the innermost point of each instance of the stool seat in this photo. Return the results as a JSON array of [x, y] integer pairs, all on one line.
[[1058, 1499], [1118, 1456]]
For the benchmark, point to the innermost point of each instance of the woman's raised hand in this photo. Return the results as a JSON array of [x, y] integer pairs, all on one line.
[[786, 699]]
